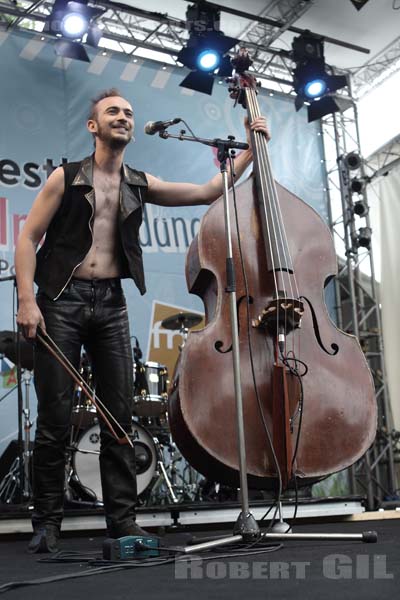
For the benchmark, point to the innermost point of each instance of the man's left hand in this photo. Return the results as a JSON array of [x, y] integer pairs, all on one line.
[[259, 124]]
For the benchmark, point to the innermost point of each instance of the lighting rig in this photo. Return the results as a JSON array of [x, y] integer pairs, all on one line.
[[358, 206]]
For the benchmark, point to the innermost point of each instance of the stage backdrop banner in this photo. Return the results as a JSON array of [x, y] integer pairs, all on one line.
[[44, 104], [389, 207]]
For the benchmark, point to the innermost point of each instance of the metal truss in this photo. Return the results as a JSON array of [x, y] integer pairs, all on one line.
[[284, 11], [376, 70], [131, 30], [277, 66], [128, 29], [357, 294], [386, 158]]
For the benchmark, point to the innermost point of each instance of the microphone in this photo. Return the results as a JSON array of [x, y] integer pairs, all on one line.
[[153, 126]]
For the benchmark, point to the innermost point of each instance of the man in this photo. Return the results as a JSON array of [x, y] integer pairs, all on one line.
[[91, 213]]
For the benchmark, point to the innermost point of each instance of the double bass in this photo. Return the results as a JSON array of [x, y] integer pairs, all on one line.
[[308, 396]]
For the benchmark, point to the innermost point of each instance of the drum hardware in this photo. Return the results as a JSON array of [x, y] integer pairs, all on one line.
[[157, 427], [182, 321], [11, 483], [17, 481], [76, 493], [175, 479], [163, 476]]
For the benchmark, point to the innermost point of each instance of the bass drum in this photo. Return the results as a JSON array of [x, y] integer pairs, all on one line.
[[86, 459]]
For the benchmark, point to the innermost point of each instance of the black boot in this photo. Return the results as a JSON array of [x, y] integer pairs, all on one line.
[[131, 529], [45, 539]]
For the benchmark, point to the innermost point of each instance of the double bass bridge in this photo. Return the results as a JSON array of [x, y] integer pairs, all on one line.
[[284, 312]]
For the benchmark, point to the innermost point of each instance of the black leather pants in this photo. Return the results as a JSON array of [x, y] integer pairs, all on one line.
[[92, 314]]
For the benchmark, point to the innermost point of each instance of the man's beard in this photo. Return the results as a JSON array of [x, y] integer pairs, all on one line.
[[113, 143]]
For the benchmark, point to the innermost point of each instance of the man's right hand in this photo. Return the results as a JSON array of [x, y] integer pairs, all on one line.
[[28, 319]]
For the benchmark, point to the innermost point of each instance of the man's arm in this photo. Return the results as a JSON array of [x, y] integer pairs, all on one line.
[[43, 210], [168, 193]]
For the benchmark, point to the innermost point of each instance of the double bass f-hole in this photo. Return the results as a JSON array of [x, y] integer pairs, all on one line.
[[219, 344], [335, 347]]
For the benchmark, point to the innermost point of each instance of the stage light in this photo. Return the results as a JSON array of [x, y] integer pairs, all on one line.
[[357, 185], [364, 237], [360, 208], [327, 105], [94, 35], [199, 81], [315, 88], [311, 79], [208, 60], [73, 22], [352, 161], [69, 49], [206, 48]]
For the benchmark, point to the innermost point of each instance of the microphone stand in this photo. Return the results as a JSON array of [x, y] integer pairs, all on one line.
[[246, 528]]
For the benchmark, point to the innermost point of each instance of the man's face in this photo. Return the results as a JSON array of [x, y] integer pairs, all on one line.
[[113, 122]]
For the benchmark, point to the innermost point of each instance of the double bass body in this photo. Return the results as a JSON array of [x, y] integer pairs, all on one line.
[[334, 405]]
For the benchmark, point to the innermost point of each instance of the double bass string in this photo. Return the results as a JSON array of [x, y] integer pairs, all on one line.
[[266, 177], [277, 215], [269, 221], [262, 184], [266, 171], [276, 206]]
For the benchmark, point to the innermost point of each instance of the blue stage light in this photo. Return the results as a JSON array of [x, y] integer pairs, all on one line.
[[315, 88], [205, 52], [208, 60], [74, 25], [313, 80]]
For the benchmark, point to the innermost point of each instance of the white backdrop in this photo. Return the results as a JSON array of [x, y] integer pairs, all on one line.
[[389, 194]]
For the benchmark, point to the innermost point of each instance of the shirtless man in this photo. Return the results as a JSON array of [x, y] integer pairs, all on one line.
[[91, 212]]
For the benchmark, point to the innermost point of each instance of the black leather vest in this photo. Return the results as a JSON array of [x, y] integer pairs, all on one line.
[[69, 235]]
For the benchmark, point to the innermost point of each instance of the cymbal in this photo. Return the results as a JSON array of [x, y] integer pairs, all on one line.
[[182, 320], [8, 347]]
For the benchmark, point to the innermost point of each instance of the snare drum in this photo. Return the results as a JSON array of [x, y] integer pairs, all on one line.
[[86, 459], [150, 393]]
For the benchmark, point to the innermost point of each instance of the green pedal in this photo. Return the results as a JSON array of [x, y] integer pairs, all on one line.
[[130, 546]]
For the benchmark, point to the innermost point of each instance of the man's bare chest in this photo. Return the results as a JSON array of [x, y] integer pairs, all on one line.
[[107, 199]]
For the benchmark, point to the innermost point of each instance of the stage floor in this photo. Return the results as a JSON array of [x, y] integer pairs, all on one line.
[[310, 569], [17, 518]]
